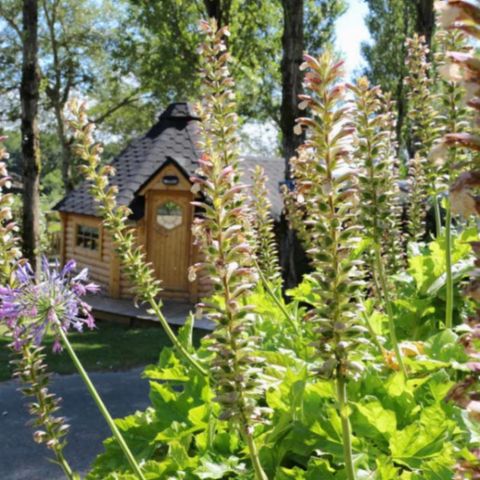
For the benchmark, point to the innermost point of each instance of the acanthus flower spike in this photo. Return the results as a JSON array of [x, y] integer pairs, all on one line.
[[322, 210], [224, 237], [463, 200], [424, 122], [378, 191]]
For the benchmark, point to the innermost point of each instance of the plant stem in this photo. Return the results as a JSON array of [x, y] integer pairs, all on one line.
[[173, 338], [388, 307], [252, 449], [62, 461], [448, 267], [275, 298], [372, 333], [438, 216], [101, 406], [346, 429]]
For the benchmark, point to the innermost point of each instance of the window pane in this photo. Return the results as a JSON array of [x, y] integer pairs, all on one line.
[[87, 237]]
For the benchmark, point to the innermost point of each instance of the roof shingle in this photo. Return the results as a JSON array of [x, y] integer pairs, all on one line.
[[172, 138]]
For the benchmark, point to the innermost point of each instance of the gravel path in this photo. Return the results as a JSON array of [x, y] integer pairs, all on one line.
[[22, 459]]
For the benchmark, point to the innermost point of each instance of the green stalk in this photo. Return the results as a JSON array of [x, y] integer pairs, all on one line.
[[101, 406], [173, 338], [438, 216], [62, 461], [281, 306], [372, 333], [448, 243], [448, 267], [346, 428], [389, 308], [127, 258], [66, 467], [252, 449], [275, 298]]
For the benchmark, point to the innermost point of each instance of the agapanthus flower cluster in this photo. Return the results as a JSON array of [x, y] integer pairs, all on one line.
[[34, 306], [29, 365], [223, 235]]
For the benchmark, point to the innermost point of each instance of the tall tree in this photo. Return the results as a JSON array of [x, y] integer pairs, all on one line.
[[293, 45], [166, 30], [71, 36], [390, 23], [307, 25], [29, 95], [73, 40], [425, 24], [10, 58]]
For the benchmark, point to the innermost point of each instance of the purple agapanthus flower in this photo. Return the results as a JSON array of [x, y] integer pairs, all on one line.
[[37, 306]]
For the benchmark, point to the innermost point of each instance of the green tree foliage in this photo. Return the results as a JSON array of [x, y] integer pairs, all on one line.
[[159, 38], [74, 56], [159, 42], [390, 23]]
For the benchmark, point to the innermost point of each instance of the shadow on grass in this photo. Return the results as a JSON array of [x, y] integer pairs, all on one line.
[[109, 347]]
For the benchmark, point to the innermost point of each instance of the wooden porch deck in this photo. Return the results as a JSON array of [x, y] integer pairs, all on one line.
[[125, 311]]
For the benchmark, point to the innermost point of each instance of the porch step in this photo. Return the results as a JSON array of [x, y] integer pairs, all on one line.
[[124, 311]]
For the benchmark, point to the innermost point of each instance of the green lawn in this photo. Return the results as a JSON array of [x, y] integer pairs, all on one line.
[[109, 347]]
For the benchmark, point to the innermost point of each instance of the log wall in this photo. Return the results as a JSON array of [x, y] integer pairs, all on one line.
[[98, 262], [103, 265]]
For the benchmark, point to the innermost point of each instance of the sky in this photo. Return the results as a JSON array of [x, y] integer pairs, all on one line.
[[350, 32]]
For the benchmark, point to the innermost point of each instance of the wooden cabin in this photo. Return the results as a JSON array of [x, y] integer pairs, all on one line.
[[152, 176]]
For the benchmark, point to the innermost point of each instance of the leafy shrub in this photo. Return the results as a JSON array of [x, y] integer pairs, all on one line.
[[368, 368]]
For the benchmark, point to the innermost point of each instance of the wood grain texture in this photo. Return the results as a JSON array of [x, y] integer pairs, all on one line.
[[97, 262], [169, 250]]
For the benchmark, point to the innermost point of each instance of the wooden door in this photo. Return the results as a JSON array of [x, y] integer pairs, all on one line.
[[169, 239]]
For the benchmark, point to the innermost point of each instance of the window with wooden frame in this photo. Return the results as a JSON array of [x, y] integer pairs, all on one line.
[[87, 237]]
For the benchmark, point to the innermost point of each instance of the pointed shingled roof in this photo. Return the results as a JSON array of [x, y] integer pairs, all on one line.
[[172, 138]]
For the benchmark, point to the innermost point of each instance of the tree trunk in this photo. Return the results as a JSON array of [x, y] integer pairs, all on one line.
[[29, 95], [293, 46], [425, 19], [214, 8], [219, 10]]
